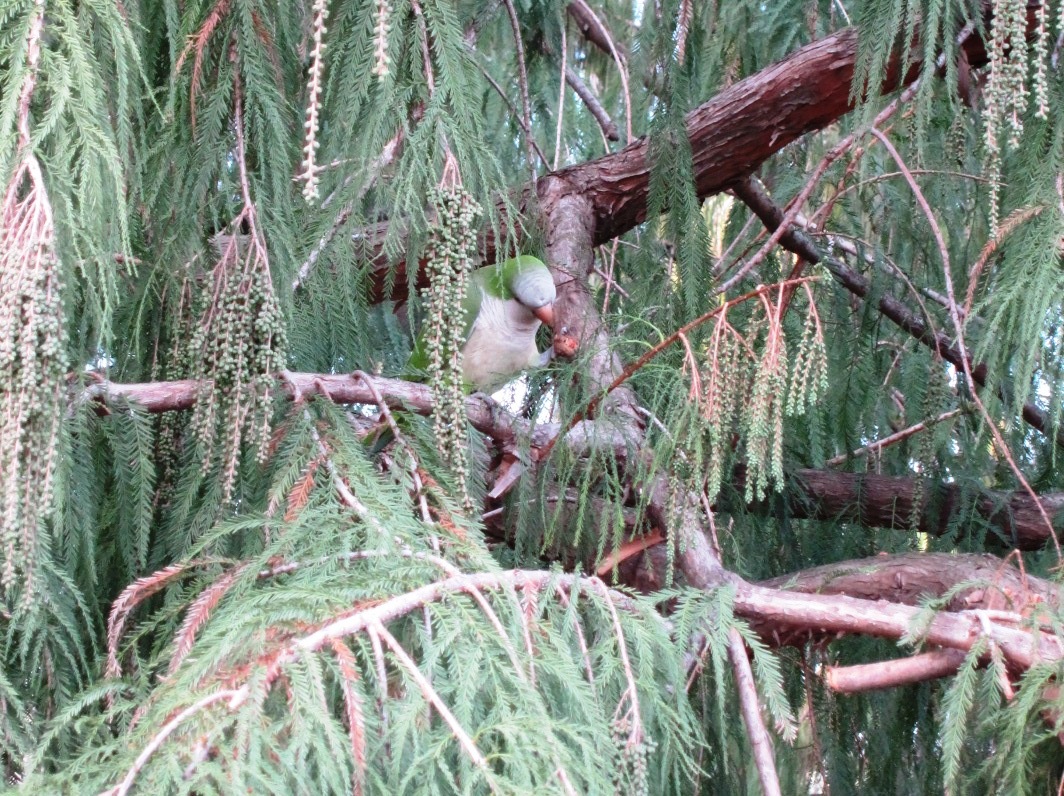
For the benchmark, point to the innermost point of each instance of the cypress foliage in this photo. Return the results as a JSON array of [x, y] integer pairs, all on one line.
[[211, 583]]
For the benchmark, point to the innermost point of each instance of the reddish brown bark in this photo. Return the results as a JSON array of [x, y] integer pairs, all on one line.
[[730, 136], [885, 501]]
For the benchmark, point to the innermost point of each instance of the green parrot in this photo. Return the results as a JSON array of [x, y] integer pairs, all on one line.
[[504, 306]]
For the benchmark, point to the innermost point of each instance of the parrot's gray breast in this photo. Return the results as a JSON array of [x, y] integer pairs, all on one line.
[[501, 343]]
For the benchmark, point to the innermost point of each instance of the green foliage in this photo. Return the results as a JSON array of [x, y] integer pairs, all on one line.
[[233, 596]]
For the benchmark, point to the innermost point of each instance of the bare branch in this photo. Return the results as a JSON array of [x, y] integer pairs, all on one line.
[[891, 674], [898, 436], [749, 704]]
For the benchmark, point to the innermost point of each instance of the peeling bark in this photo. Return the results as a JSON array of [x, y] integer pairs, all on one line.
[[730, 136]]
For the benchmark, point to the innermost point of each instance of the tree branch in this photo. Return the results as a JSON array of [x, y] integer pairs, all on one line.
[[893, 673], [730, 136], [754, 196], [868, 499]]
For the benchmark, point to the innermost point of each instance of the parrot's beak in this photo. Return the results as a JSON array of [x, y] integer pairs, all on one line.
[[545, 314]]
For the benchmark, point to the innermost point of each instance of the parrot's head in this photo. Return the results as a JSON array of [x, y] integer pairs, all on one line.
[[533, 286]]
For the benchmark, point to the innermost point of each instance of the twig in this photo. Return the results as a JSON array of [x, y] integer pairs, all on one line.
[[347, 497], [898, 436], [376, 628], [586, 10], [610, 283], [627, 550], [356, 723], [636, 731], [958, 328], [382, 161], [414, 466], [522, 80], [1006, 227], [520, 118], [33, 59], [426, 55], [580, 640], [683, 25], [795, 205], [800, 243], [561, 99]]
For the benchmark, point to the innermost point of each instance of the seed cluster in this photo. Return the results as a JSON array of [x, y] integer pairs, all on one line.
[[725, 382], [239, 346], [314, 85], [763, 421], [380, 38], [634, 750], [809, 373], [452, 245], [33, 367], [1006, 89], [181, 313], [731, 387]]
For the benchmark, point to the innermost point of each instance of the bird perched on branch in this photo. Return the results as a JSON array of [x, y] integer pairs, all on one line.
[[504, 307]]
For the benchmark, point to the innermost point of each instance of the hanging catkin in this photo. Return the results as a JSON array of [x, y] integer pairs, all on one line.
[[452, 246]]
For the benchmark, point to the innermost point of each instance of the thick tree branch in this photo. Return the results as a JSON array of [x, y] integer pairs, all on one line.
[[910, 577], [884, 501], [867, 499], [730, 136], [790, 617]]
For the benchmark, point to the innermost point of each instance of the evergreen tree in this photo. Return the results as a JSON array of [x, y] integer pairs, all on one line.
[[782, 515]]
